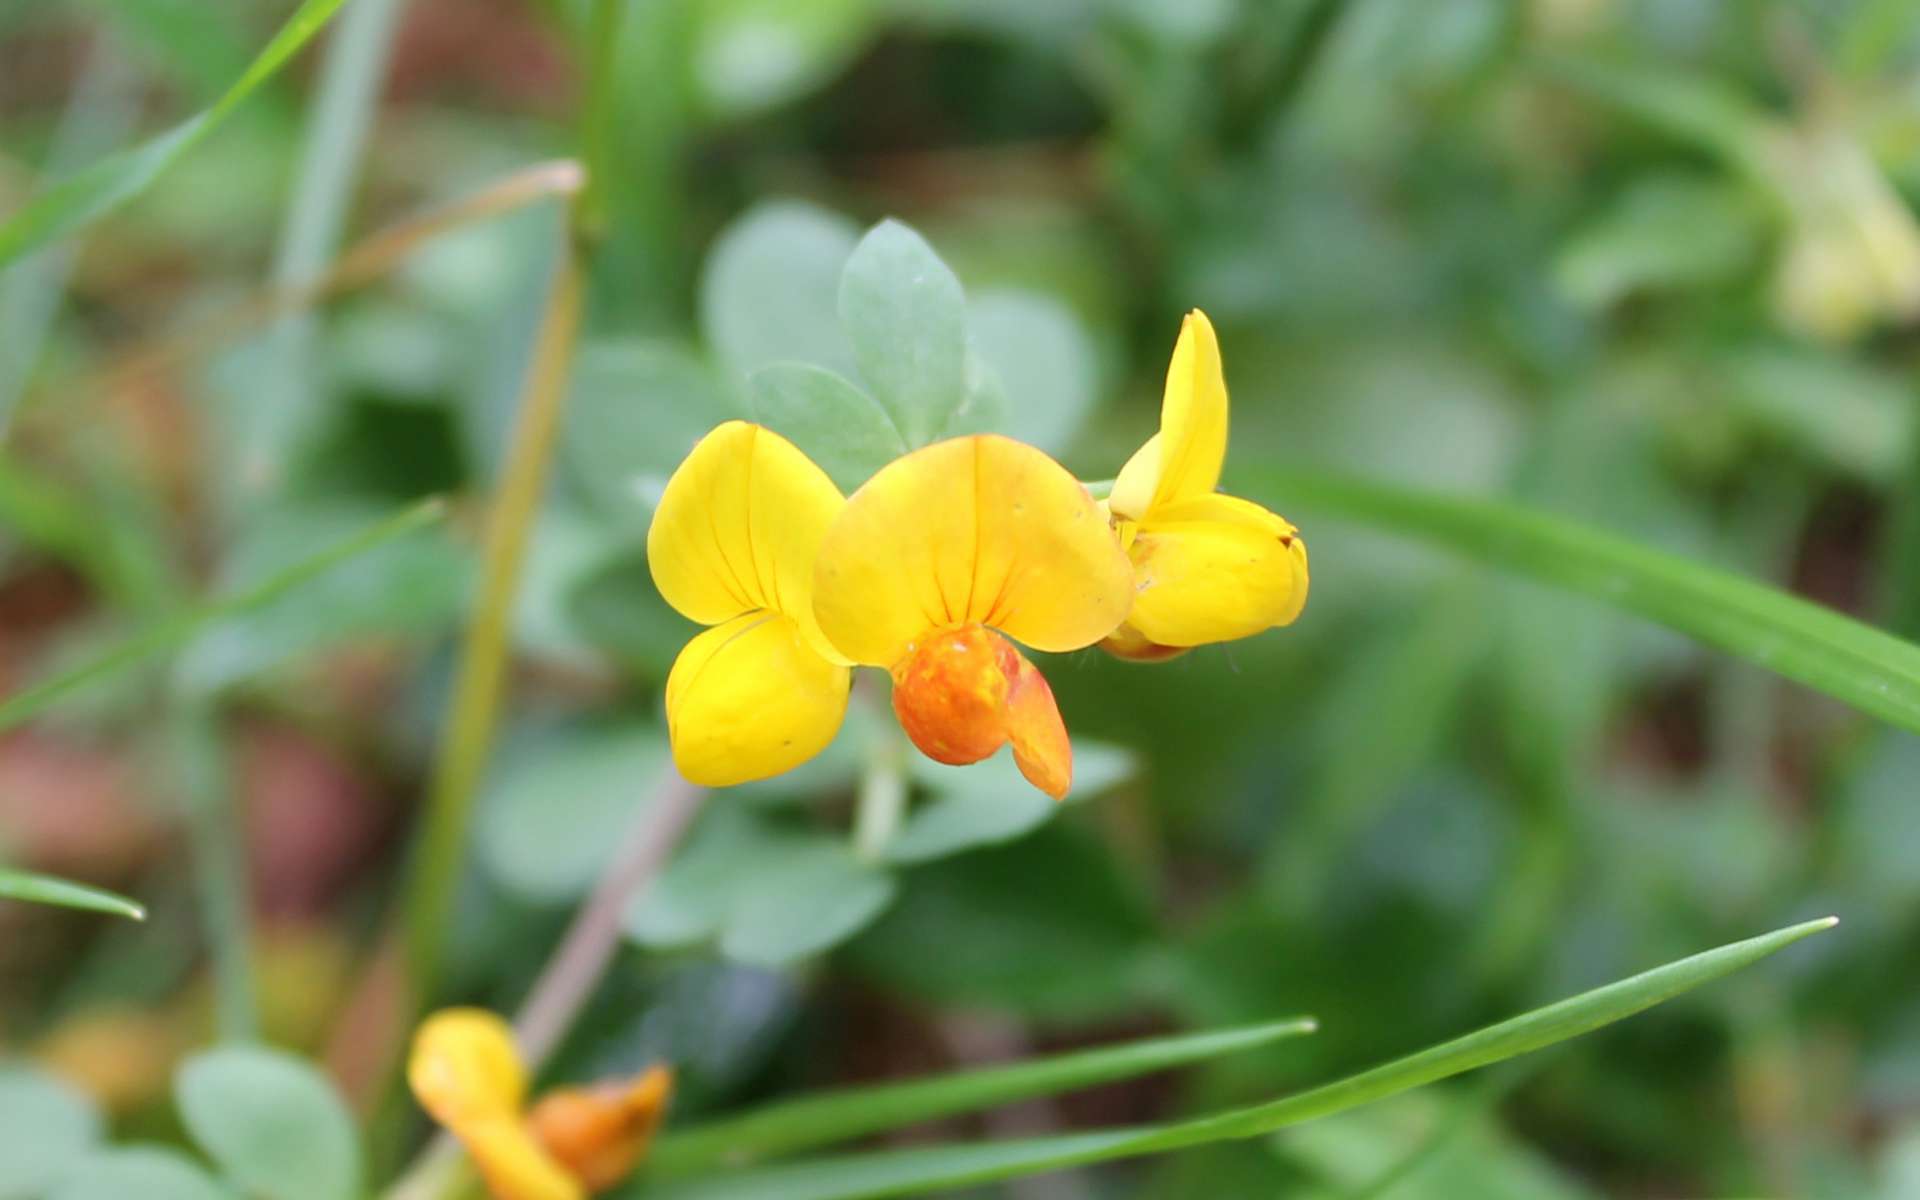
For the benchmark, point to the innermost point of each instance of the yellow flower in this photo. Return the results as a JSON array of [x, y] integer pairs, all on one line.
[[946, 546], [732, 546], [1206, 567], [465, 1071]]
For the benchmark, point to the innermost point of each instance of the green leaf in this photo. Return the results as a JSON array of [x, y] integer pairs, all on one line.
[[770, 896], [749, 55], [1044, 359], [175, 630], [989, 802], [939, 1168], [146, 1172], [771, 288], [634, 411], [1847, 659], [558, 804], [83, 198], [780, 1129], [45, 1128], [272, 1122], [45, 889], [907, 318], [835, 423]]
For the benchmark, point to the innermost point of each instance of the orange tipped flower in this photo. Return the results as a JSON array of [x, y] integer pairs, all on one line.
[[732, 546], [944, 547], [1207, 567], [467, 1074]]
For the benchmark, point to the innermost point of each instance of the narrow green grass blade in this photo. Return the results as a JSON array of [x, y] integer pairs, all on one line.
[[1847, 659], [175, 630], [35, 888], [783, 1128], [941, 1168], [82, 198]]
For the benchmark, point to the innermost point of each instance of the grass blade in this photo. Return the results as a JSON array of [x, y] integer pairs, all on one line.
[[35, 888], [78, 200], [840, 1116], [939, 1168], [1849, 660], [177, 629]]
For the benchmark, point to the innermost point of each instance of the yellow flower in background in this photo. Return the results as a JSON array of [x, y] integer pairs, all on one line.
[[732, 546], [942, 552], [1207, 567], [467, 1074]]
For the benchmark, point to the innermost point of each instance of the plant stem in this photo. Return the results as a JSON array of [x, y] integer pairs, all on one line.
[[883, 800], [483, 659], [570, 975], [574, 970], [199, 756], [597, 119]]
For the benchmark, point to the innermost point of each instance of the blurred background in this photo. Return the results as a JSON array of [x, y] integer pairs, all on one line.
[[1651, 264]]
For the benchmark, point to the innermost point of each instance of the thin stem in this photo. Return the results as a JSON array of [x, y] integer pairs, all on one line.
[[199, 755], [574, 970], [581, 959], [883, 800], [483, 659], [597, 118]]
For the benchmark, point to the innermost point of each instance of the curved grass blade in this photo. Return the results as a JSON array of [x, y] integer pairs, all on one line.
[[175, 630], [941, 1168], [840, 1116], [35, 888], [82, 198], [1849, 660]]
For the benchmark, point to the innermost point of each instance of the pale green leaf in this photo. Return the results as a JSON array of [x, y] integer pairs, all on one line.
[[835, 423], [272, 1122], [45, 1128], [906, 315], [559, 803], [1044, 359], [145, 1172], [771, 287]]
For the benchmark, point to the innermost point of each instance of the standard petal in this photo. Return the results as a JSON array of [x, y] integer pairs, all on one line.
[[751, 698], [1192, 442], [738, 527], [1215, 569], [980, 530], [464, 1067]]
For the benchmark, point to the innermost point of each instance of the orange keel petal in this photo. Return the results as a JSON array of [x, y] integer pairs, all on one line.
[[1040, 746], [963, 693]]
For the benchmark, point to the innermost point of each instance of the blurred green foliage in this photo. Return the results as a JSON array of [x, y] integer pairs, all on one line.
[[1644, 264]]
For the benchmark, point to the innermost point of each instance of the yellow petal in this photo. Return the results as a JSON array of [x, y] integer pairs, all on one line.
[[514, 1164], [978, 530], [738, 527], [464, 1067], [1183, 460], [1215, 569], [751, 698]]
